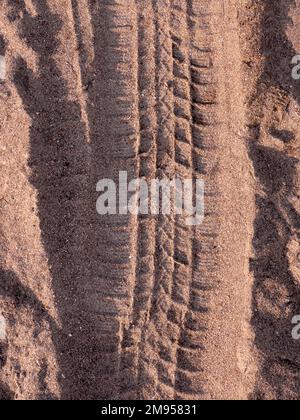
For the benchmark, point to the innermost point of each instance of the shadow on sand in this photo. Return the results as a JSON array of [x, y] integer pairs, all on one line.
[[276, 293]]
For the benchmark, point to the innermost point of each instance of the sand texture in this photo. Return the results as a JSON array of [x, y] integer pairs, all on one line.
[[134, 307]]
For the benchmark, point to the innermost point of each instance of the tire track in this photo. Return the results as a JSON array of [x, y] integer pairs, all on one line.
[[164, 238], [150, 308], [172, 295], [113, 115], [186, 367], [184, 235], [176, 326], [202, 96], [83, 57], [145, 246]]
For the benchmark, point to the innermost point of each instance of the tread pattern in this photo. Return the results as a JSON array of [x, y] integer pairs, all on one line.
[[133, 293]]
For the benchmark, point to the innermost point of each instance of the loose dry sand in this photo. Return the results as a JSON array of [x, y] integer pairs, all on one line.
[[146, 307]]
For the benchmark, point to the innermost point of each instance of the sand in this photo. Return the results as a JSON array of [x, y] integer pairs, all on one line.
[[137, 307]]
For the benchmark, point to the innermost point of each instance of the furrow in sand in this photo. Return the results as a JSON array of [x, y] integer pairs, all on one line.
[[145, 244], [112, 108], [184, 234], [187, 366], [154, 335], [195, 256], [79, 17]]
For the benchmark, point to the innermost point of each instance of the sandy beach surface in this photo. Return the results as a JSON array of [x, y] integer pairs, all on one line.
[[143, 306]]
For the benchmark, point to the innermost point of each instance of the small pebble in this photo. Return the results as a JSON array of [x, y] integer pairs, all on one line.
[[2, 68], [2, 328]]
